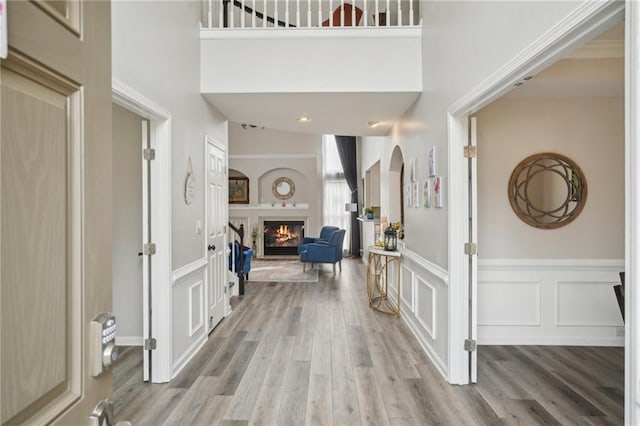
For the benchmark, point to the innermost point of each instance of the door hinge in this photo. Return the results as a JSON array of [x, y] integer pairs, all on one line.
[[149, 154], [150, 344], [470, 151], [470, 249], [149, 249], [469, 345], [225, 289]]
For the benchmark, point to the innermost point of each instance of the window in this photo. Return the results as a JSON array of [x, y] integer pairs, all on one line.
[[335, 189]]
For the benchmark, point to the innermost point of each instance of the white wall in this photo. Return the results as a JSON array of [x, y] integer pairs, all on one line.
[[156, 51], [551, 286], [264, 155], [127, 225], [590, 131], [468, 41]]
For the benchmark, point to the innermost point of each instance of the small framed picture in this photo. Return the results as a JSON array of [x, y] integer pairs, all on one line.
[[407, 194], [416, 194], [432, 161], [239, 190], [437, 192], [427, 193]]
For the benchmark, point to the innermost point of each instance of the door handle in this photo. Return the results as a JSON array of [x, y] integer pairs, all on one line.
[[211, 247]]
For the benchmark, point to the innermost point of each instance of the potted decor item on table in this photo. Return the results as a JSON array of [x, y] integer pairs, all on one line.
[[254, 238], [369, 212]]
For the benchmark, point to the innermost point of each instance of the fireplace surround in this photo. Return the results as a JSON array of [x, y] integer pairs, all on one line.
[[282, 237]]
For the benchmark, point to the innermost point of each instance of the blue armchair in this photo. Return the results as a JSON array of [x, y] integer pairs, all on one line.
[[325, 233], [330, 252], [235, 254]]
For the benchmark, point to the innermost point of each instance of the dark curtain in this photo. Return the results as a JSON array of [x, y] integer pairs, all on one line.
[[347, 150]]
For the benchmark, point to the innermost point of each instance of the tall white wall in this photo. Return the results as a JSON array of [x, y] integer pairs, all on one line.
[[127, 225], [463, 43], [156, 51]]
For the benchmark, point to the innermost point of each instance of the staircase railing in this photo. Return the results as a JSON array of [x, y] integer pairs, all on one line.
[[240, 271], [289, 14]]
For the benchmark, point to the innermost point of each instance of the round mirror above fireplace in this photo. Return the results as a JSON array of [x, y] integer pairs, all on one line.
[[283, 188]]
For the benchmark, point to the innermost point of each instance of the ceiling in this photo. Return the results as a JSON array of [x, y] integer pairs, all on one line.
[[593, 70], [330, 113]]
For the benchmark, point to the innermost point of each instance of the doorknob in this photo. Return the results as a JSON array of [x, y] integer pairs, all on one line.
[[211, 247]]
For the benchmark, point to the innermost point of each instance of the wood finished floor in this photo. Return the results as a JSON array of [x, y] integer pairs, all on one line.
[[315, 354]]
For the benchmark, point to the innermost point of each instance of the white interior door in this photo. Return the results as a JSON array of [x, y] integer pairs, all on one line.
[[216, 225], [473, 258], [147, 256], [56, 213]]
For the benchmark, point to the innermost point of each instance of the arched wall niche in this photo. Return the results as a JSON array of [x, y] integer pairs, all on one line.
[[396, 194], [265, 183], [233, 173]]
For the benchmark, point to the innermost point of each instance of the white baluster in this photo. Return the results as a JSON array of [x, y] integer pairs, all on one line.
[[253, 14], [377, 13], [353, 14], [221, 15], [242, 13], [209, 14], [297, 13], [399, 14], [342, 13], [366, 14], [275, 14], [286, 13], [264, 14], [387, 16], [319, 12], [411, 13], [330, 13], [231, 14]]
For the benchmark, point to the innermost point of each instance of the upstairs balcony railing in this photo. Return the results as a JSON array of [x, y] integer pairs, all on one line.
[[285, 14]]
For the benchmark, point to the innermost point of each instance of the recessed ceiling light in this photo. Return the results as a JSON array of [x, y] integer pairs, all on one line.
[[373, 124], [303, 119]]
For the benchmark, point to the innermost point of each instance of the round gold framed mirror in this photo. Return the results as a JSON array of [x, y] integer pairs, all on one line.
[[547, 190], [283, 188]]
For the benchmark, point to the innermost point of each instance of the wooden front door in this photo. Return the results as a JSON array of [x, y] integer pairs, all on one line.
[[55, 208]]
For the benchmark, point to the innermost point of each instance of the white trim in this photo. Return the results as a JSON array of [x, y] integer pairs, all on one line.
[[271, 156], [538, 321], [426, 347], [615, 265], [578, 27], [434, 306], [189, 268], [188, 355], [333, 33], [129, 340], [160, 140], [427, 265], [411, 305], [551, 341], [632, 213], [194, 328], [559, 323], [584, 23]]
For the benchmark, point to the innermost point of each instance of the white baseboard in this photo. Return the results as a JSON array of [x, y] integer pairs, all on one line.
[[188, 355], [552, 341], [413, 325], [129, 340]]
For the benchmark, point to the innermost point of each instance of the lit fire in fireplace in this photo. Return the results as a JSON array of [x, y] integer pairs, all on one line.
[[283, 234]]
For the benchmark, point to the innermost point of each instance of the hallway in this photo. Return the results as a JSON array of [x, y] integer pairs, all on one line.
[[314, 353]]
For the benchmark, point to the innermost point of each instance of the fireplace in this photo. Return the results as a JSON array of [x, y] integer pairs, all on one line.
[[282, 237]]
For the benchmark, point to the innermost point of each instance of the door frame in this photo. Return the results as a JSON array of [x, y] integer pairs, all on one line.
[[211, 140], [160, 193], [578, 27]]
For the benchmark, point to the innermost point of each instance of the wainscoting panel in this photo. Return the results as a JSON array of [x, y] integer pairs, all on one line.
[[426, 306], [549, 302], [513, 303], [189, 312], [587, 304], [423, 296]]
